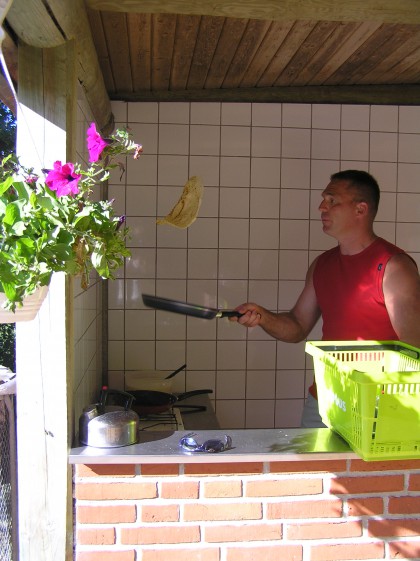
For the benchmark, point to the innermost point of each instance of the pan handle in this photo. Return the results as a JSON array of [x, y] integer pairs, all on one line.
[[185, 395], [228, 314], [176, 372]]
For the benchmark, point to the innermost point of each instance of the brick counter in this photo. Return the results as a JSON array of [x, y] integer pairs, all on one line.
[[307, 508]]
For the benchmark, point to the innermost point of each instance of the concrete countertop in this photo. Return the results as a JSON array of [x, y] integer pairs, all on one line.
[[248, 445]]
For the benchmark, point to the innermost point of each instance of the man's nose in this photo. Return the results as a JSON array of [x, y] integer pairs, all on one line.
[[322, 206]]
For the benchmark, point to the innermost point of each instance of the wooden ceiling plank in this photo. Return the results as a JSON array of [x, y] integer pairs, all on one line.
[[318, 35], [402, 57], [140, 40], [116, 33], [248, 46], [229, 39], [365, 57], [208, 37], [407, 71], [286, 51], [95, 22], [398, 11], [342, 32], [376, 95], [275, 36], [185, 38], [346, 48], [373, 53], [163, 37]]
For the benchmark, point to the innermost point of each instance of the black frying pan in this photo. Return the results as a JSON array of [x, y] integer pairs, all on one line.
[[148, 402], [187, 309]]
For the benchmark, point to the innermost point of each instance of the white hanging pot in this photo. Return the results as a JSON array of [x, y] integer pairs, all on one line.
[[27, 312]]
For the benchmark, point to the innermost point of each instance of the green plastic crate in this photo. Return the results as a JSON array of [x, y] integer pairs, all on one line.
[[369, 393]]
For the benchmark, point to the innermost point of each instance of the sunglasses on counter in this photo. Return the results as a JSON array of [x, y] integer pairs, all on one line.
[[212, 445]]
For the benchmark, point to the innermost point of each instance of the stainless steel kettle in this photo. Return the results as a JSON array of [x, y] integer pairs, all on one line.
[[109, 426]]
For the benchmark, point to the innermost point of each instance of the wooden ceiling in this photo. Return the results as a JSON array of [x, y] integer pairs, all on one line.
[[314, 51], [167, 56]]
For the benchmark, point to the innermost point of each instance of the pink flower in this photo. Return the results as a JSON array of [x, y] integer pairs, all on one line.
[[31, 179], [95, 143], [138, 151], [63, 179]]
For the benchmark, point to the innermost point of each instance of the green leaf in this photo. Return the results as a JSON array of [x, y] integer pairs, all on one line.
[[99, 262], [9, 290], [45, 202], [60, 251], [25, 247], [23, 190], [6, 274], [5, 185], [82, 223], [18, 228], [12, 214], [65, 237]]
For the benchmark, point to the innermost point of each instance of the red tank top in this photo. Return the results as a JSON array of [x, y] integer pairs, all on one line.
[[350, 295]]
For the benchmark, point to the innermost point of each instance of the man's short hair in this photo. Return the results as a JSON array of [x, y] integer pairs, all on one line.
[[364, 184]]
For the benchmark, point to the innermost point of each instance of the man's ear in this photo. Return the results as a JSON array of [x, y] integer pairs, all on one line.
[[362, 208]]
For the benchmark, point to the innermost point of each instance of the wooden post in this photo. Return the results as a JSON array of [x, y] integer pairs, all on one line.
[[44, 345]]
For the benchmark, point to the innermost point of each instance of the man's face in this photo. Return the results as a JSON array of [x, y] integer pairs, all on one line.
[[338, 209]]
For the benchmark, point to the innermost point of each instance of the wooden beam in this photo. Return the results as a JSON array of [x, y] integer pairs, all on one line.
[[4, 8], [49, 23], [44, 361], [387, 11], [406, 94], [32, 23]]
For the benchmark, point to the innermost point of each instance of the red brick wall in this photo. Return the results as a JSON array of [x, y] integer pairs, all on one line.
[[280, 511]]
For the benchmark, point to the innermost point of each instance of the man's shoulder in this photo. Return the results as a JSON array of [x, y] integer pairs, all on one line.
[[329, 256], [393, 249]]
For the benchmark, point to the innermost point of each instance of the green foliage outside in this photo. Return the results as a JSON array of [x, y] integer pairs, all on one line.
[[7, 131], [7, 346], [7, 146]]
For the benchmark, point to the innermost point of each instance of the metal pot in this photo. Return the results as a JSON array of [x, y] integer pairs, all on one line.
[[109, 426]]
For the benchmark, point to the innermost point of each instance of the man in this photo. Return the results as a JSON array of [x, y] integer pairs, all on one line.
[[364, 288]]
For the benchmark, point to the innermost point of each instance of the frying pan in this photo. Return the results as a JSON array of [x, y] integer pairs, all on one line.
[[148, 402], [187, 309]]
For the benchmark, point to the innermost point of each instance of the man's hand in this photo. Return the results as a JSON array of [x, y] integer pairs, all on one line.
[[252, 314]]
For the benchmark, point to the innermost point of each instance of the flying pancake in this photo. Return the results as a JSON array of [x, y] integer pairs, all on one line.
[[186, 209]]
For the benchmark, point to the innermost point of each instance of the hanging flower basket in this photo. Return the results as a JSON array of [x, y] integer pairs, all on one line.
[[56, 221], [29, 309]]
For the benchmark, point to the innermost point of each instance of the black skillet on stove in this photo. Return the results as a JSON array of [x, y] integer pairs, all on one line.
[[150, 402]]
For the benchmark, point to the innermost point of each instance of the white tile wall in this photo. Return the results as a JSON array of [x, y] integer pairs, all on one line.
[[264, 167], [87, 306]]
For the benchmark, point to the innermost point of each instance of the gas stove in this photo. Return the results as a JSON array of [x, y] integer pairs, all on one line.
[[169, 420]]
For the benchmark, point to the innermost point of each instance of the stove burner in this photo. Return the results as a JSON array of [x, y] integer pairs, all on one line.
[[169, 420]]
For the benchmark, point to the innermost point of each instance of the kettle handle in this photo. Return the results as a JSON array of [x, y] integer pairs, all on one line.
[[105, 393]]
